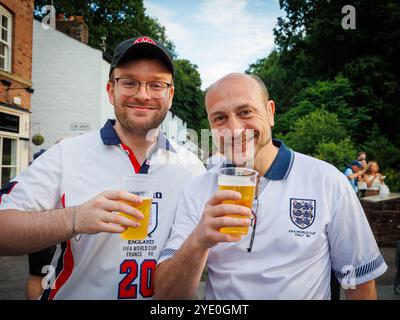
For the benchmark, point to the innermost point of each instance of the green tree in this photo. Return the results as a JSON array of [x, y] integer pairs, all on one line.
[[353, 73], [188, 99], [271, 72], [313, 46], [115, 20], [320, 126], [379, 148], [337, 153], [376, 94], [334, 96]]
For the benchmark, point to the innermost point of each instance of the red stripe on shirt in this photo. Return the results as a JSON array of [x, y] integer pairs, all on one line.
[[68, 266], [136, 165], [63, 200]]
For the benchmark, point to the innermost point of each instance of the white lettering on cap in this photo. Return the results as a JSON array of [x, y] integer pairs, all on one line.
[[144, 39]]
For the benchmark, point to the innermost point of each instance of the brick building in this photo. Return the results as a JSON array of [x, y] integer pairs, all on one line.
[[16, 23]]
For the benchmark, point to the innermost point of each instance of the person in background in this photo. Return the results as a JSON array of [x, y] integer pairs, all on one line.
[[353, 171], [362, 156], [362, 186], [373, 179]]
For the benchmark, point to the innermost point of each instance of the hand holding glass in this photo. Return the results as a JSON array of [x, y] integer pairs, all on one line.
[[141, 185], [242, 180]]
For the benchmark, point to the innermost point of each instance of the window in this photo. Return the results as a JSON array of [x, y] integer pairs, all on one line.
[[5, 39], [8, 159]]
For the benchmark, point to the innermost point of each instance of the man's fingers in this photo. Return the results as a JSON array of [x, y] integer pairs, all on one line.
[[119, 206], [122, 195], [232, 238], [218, 237], [224, 209], [222, 195], [226, 222], [120, 220], [106, 227]]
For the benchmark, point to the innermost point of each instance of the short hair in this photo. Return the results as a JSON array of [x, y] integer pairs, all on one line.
[[111, 76], [361, 153], [262, 86]]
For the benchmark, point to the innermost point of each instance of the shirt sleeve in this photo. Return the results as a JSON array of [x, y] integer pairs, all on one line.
[[348, 172], [37, 188], [186, 219], [355, 255]]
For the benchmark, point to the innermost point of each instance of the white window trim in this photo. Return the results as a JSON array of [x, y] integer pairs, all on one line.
[[8, 55], [16, 166]]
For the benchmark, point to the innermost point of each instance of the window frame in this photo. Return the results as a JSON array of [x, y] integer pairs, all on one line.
[[2, 137], [8, 44]]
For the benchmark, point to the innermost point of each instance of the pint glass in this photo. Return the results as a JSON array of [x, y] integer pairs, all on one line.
[[242, 180], [141, 185]]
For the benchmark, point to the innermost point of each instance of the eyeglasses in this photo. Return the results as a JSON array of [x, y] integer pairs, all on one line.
[[253, 224], [130, 87]]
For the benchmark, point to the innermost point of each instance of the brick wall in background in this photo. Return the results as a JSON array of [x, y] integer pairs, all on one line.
[[384, 219], [21, 64]]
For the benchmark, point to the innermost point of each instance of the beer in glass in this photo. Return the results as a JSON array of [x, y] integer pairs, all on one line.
[[244, 181], [141, 185]]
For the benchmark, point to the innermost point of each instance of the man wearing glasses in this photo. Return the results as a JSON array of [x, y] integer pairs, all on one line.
[[70, 195], [307, 218]]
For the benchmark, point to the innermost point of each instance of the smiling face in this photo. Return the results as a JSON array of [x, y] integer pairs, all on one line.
[[373, 167], [241, 115], [139, 113]]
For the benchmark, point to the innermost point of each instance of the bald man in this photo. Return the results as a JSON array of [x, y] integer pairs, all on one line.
[[307, 220]]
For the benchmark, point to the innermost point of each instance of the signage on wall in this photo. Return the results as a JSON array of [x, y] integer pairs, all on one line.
[[9, 122], [80, 126]]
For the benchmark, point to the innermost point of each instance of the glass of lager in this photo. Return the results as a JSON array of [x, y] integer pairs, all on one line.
[[242, 180], [141, 185]]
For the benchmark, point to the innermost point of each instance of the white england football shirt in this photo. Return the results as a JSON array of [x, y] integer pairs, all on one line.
[[103, 266], [309, 220]]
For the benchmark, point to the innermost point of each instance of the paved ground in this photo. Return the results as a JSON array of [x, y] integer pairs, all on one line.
[[13, 275], [14, 270]]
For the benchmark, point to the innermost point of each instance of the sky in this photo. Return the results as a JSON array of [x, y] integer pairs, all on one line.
[[219, 36]]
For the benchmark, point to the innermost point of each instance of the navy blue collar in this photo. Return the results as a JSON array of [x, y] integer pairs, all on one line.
[[282, 164], [110, 137]]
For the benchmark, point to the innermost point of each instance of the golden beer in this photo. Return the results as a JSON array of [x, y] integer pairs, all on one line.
[[140, 232], [247, 193], [243, 181]]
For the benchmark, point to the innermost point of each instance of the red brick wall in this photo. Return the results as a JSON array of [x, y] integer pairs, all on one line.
[[384, 219], [21, 63]]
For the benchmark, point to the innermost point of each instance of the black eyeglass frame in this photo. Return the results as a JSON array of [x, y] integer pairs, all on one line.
[[145, 84]]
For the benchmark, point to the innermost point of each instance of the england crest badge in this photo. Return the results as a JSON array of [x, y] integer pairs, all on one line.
[[302, 212]]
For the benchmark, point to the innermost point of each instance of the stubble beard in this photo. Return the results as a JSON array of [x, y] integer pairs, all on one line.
[[137, 128]]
